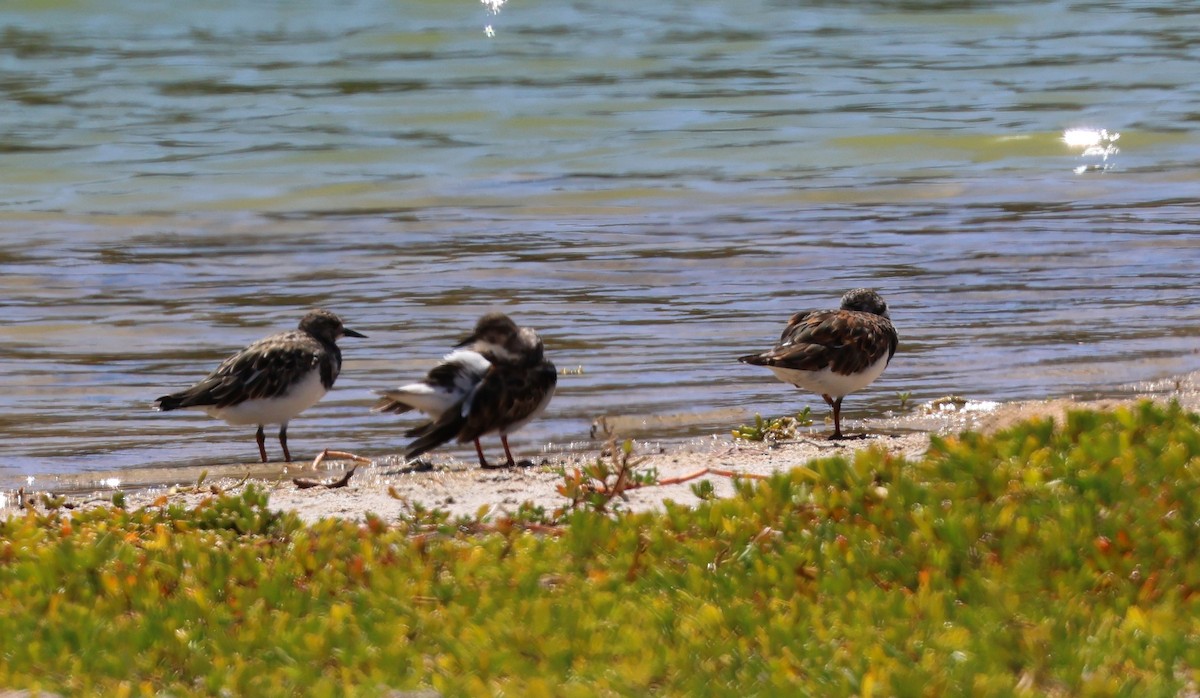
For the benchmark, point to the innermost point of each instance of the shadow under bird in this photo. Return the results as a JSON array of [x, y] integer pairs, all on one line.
[[834, 352], [495, 381], [272, 380]]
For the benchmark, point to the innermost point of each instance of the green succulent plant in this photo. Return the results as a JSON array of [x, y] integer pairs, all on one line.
[[774, 429], [1047, 559]]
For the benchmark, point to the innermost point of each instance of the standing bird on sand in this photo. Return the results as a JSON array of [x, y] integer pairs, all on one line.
[[834, 352], [495, 381], [272, 380]]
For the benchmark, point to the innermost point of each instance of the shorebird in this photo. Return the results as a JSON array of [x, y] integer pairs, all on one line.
[[272, 380], [496, 335], [834, 352], [495, 381]]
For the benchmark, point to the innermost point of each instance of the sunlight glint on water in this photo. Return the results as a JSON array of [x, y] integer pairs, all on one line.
[[1097, 144]]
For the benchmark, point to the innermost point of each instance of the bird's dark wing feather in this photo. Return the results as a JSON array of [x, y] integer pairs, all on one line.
[[506, 396], [265, 369], [434, 433], [387, 404], [845, 340], [420, 430]]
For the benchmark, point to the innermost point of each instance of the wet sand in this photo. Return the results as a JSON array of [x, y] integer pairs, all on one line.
[[388, 487]]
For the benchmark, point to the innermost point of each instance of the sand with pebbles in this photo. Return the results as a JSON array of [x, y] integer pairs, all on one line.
[[387, 487]]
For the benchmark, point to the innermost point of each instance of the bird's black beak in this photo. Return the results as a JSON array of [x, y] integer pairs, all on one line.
[[347, 332], [466, 340]]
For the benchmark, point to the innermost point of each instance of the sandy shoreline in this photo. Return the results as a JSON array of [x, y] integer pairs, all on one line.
[[388, 488]]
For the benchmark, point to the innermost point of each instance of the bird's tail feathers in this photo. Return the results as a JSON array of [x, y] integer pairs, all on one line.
[[434, 434], [755, 359], [417, 396], [390, 402], [420, 430], [166, 403]]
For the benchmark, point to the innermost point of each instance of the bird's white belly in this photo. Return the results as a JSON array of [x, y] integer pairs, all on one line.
[[277, 410], [826, 382]]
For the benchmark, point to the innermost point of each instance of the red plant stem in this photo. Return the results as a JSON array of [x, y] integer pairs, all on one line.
[[621, 487]]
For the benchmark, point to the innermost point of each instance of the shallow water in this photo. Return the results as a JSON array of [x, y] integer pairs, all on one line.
[[655, 188]]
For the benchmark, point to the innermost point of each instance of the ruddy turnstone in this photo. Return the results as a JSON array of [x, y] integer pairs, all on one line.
[[272, 380], [834, 352], [495, 381], [495, 334]]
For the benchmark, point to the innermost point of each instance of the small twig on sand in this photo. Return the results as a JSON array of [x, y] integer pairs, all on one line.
[[345, 455], [624, 483], [709, 471], [305, 483], [222, 490]]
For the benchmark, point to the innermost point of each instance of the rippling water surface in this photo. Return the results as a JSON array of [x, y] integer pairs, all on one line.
[[656, 187]]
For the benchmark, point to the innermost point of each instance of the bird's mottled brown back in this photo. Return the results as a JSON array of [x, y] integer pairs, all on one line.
[[509, 394], [815, 340], [266, 369]]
